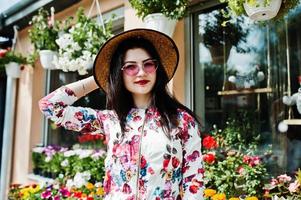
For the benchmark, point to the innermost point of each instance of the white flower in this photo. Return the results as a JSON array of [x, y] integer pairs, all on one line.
[[69, 153], [65, 163], [61, 176], [69, 183], [38, 149], [98, 155], [81, 179], [48, 158], [84, 153], [98, 184]]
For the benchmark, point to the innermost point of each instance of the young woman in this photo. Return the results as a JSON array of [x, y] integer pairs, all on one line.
[[153, 141]]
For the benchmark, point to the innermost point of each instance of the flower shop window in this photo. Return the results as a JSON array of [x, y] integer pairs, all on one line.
[[242, 71], [97, 99]]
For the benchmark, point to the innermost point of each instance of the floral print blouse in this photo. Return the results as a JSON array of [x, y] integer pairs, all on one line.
[[142, 163]]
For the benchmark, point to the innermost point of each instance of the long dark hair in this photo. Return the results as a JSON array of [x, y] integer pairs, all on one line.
[[120, 99]]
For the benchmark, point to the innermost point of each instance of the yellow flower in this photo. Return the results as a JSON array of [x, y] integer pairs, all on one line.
[[251, 198], [89, 186], [25, 193], [100, 191], [34, 188], [209, 192], [234, 198], [27, 190], [220, 196]]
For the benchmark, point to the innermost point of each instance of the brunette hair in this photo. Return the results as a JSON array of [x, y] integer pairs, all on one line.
[[120, 99]]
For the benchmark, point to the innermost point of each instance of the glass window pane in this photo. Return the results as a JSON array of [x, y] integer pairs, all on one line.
[[241, 73]]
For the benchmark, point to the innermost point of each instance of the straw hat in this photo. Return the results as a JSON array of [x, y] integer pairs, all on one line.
[[165, 46]]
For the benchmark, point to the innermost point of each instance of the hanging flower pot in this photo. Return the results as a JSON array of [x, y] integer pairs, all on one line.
[[261, 11], [159, 22], [46, 58], [219, 55], [13, 69]]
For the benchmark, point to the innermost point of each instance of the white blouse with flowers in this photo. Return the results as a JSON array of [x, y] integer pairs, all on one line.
[[142, 162]]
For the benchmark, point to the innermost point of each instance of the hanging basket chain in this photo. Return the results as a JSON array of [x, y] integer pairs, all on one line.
[[96, 4]]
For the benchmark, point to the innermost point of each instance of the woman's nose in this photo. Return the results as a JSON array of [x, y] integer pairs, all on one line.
[[141, 71]]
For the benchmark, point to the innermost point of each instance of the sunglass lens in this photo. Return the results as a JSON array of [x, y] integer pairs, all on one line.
[[150, 66], [131, 69]]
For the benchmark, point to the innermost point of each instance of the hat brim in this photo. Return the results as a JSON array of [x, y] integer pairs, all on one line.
[[164, 45]]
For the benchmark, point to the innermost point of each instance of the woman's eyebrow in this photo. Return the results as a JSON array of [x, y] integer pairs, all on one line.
[[129, 61]]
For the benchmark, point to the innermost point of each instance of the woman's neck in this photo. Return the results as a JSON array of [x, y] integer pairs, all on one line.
[[142, 101]]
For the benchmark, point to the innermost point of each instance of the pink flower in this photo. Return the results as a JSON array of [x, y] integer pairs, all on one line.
[[274, 182], [46, 194], [256, 160], [293, 187], [251, 161], [284, 178], [240, 170], [65, 192]]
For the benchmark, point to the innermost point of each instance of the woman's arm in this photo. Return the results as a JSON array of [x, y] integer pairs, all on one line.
[[83, 87], [193, 171], [57, 107]]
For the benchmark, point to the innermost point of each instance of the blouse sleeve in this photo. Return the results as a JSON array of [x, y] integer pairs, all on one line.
[[57, 107], [193, 171]]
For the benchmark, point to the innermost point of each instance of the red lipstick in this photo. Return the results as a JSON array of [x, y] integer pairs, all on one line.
[[142, 82]]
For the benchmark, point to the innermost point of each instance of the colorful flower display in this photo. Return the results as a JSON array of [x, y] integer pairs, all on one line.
[[56, 191], [54, 161]]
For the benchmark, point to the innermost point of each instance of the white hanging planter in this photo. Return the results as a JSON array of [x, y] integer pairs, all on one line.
[[159, 22], [278, 198], [260, 12], [46, 58], [13, 70]]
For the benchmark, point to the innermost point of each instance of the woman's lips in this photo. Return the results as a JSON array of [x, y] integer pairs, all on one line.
[[142, 82]]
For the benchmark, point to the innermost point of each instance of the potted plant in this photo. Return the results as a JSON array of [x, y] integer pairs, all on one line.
[[160, 15], [43, 33], [234, 166], [284, 187], [10, 61], [79, 45], [261, 9], [219, 38]]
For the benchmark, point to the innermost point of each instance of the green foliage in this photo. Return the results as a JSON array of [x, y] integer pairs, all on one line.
[[173, 9], [52, 161], [231, 164], [231, 33], [7, 56], [87, 29], [224, 175], [236, 6], [240, 133], [43, 33]]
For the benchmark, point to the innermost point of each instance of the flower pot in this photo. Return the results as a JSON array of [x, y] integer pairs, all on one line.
[[278, 198], [13, 70], [218, 54], [46, 58], [261, 12], [158, 22]]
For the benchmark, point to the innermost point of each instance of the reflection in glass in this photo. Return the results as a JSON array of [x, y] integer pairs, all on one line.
[[242, 72]]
